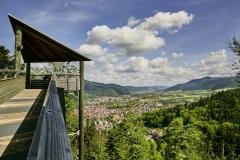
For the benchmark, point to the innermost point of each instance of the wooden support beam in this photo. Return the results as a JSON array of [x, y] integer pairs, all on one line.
[[80, 112], [28, 75], [18, 48]]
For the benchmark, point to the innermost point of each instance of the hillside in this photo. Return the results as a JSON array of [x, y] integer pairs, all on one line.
[[101, 89], [205, 84], [207, 129]]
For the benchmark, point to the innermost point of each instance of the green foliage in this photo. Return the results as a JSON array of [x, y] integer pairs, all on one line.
[[101, 89], [128, 140], [5, 60], [159, 118], [71, 104], [183, 142], [207, 129], [95, 142]]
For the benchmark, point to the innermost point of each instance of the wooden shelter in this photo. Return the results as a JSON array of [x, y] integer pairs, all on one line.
[[35, 47]]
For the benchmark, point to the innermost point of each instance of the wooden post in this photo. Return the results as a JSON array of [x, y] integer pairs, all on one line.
[[80, 111], [18, 48], [28, 75]]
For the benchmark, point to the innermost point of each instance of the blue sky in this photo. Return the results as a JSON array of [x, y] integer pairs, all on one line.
[[137, 42]]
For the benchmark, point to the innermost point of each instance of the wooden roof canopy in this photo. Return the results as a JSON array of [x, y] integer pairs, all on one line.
[[38, 47]]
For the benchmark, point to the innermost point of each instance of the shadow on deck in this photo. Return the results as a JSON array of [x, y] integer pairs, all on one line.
[[21, 141]]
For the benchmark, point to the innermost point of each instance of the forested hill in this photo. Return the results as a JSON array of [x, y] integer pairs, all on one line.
[[101, 89], [205, 84], [207, 129]]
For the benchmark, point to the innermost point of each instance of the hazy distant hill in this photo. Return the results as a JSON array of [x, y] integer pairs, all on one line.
[[205, 84], [140, 89], [101, 89]]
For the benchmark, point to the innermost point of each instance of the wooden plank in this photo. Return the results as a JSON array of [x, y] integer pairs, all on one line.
[[17, 125], [9, 88]]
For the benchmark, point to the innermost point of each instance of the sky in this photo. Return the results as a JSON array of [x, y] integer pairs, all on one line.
[[137, 42]]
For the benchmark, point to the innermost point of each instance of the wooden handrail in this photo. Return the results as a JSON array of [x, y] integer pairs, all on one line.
[[14, 73], [50, 139]]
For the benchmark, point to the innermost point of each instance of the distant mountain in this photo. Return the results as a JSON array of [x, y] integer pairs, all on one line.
[[205, 84], [143, 89], [101, 89]]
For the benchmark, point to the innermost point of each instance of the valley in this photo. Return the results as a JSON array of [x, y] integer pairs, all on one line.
[[152, 117]]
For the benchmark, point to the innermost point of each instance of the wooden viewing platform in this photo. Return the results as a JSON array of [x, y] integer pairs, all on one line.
[[31, 122], [18, 120]]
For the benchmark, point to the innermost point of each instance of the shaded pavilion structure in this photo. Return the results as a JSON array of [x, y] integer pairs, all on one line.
[[35, 47]]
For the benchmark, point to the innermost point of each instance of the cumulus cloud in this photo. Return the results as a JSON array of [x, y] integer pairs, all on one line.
[[131, 40], [214, 64], [167, 21], [111, 65], [138, 70], [160, 66], [177, 55], [134, 64], [97, 53], [92, 50], [140, 35], [132, 21]]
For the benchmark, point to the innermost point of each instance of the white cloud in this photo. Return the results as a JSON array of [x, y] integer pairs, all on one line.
[[139, 35], [155, 66], [97, 53], [214, 64], [131, 40], [134, 64], [132, 21], [177, 55], [92, 50], [167, 21], [111, 65], [138, 70]]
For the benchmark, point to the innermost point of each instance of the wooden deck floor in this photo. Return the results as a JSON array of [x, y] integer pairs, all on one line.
[[18, 119]]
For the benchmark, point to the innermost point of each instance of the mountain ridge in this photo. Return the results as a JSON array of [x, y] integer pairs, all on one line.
[[205, 83], [103, 89]]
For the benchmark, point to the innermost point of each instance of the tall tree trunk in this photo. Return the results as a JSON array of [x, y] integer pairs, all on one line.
[[222, 149]]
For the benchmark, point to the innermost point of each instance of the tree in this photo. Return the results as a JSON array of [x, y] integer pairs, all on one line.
[[128, 140], [234, 45], [95, 141], [183, 142], [5, 59]]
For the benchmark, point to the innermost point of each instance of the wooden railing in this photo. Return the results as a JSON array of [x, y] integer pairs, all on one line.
[[50, 139], [10, 87], [39, 81], [69, 82], [9, 73]]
